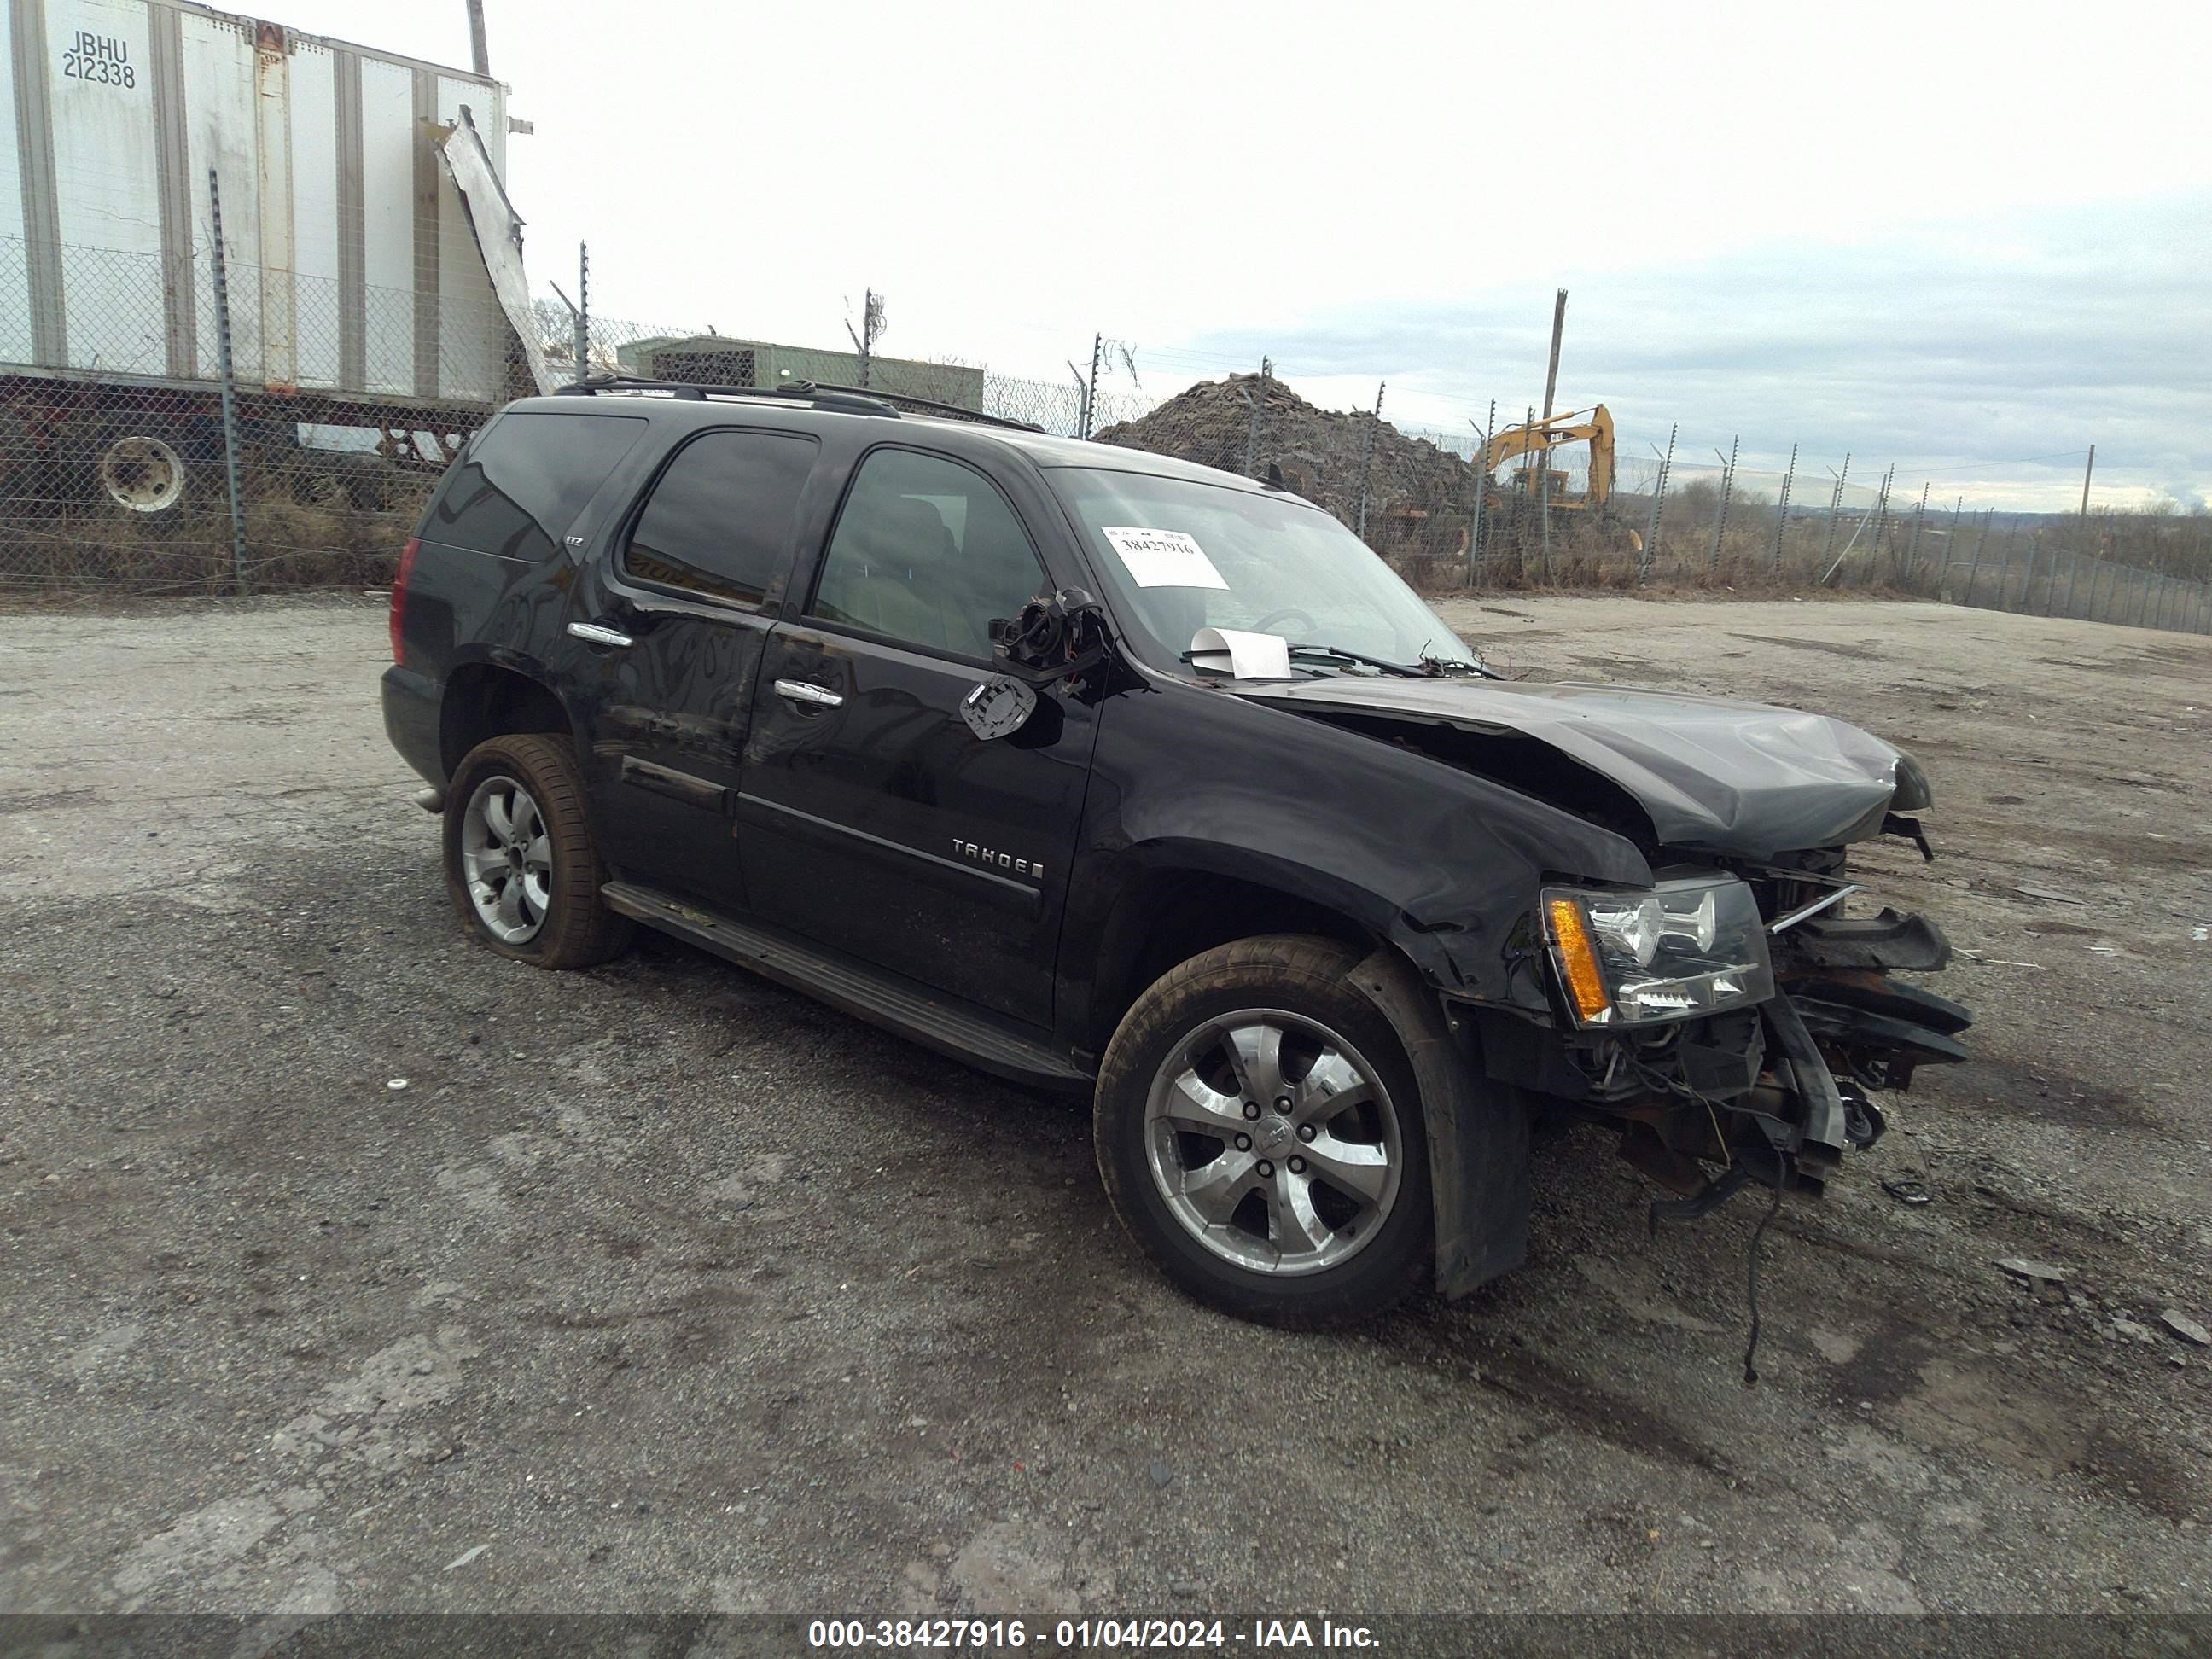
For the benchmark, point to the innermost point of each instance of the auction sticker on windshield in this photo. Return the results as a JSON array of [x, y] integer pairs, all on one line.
[[1162, 558]]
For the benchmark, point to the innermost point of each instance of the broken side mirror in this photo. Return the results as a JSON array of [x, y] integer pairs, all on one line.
[[1060, 638], [998, 707], [1054, 638]]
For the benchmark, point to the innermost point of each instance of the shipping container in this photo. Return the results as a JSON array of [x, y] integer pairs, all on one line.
[[357, 291]]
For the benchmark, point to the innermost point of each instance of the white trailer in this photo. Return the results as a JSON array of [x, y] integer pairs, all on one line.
[[358, 293]]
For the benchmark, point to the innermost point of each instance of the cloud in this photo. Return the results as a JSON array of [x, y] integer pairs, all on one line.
[[1394, 191], [1955, 351]]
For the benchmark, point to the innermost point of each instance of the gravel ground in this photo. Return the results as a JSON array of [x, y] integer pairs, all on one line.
[[658, 1287]]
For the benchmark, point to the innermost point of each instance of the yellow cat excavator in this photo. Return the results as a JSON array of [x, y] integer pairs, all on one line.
[[1538, 439]]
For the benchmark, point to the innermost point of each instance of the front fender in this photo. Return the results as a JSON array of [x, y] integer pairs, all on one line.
[[1478, 1132], [1444, 864], [1294, 877]]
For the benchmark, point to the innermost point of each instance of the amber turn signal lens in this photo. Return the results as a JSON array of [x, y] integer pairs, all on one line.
[[1579, 958]]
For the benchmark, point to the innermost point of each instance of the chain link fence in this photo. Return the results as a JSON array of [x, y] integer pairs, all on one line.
[[115, 472], [114, 469], [1417, 495], [1801, 529]]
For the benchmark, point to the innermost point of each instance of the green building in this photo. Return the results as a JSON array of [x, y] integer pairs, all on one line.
[[719, 360]]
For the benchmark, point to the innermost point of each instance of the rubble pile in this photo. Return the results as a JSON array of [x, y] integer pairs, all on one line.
[[1411, 484]]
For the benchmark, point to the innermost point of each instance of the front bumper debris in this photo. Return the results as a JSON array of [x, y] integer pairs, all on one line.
[[1911, 944], [1778, 1093]]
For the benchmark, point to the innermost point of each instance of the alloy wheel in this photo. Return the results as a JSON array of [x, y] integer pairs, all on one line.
[[507, 858], [1274, 1142]]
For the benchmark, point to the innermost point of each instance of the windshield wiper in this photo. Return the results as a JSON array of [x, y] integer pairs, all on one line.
[[1338, 651], [1447, 666]]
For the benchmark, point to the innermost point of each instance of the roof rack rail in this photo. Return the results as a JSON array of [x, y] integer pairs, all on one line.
[[957, 411], [852, 399]]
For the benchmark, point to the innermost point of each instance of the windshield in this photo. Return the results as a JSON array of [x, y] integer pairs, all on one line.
[[1180, 555]]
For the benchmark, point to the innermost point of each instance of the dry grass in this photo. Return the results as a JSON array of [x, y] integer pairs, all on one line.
[[303, 529]]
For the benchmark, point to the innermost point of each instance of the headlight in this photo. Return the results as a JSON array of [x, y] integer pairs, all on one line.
[[1684, 948], [1913, 794]]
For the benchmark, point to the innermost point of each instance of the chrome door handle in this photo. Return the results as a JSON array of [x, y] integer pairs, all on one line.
[[597, 633], [805, 691]]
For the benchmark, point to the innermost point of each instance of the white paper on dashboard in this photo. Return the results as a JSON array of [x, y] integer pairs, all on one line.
[[1243, 655], [1162, 558]]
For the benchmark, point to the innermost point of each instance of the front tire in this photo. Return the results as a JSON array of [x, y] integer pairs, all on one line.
[[521, 866], [1259, 1133]]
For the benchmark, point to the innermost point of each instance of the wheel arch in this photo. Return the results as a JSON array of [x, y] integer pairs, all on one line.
[[487, 699], [1178, 901]]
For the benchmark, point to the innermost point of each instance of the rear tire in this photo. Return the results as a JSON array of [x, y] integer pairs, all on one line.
[[521, 866], [1259, 1133]]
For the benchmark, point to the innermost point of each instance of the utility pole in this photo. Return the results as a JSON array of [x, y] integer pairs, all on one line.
[[479, 52], [2085, 472], [1551, 386], [1545, 510], [1552, 375]]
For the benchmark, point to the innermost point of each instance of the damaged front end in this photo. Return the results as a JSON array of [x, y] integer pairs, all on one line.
[[1729, 1016], [1731, 1019], [1734, 1025]]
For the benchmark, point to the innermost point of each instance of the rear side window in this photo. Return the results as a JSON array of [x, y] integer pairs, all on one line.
[[525, 478], [721, 519]]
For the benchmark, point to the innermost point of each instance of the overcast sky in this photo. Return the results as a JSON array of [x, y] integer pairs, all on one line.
[[1970, 240]]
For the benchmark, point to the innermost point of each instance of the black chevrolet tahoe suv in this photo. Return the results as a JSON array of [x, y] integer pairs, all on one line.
[[1102, 771]]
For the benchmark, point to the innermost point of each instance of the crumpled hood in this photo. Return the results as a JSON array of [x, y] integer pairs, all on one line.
[[1743, 778]]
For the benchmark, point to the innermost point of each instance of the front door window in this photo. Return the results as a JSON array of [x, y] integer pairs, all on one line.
[[927, 552]]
